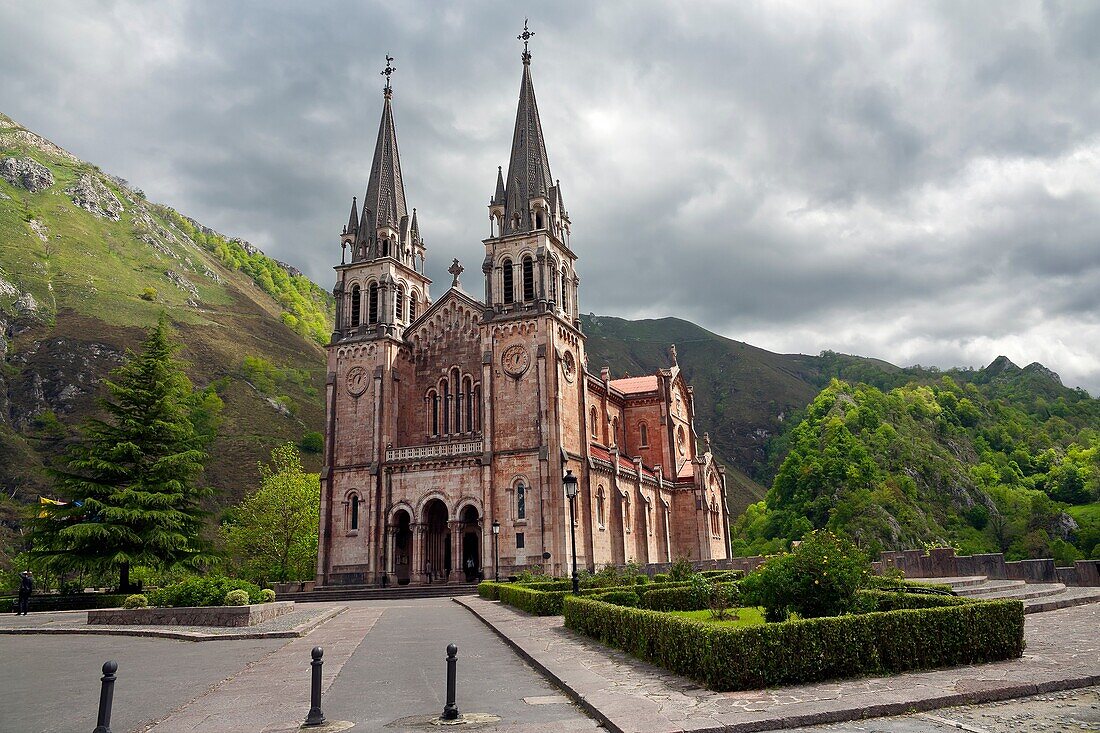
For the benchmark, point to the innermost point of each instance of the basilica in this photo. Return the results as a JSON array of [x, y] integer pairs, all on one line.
[[453, 423]]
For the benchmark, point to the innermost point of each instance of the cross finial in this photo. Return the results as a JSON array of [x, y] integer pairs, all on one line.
[[525, 37], [455, 270], [387, 72]]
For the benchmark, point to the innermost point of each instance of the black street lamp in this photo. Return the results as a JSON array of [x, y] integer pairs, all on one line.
[[496, 555], [569, 481]]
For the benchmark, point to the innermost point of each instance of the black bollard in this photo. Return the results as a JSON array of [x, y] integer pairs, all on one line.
[[450, 710], [315, 716], [106, 697]]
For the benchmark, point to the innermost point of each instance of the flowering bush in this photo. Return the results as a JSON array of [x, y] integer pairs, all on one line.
[[819, 578], [236, 598]]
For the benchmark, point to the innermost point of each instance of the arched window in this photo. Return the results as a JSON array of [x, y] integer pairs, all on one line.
[[528, 278], [521, 501], [356, 304], [599, 505], [681, 439], [538, 220], [509, 291], [414, 301], [564, 291], [626, 513], [595, 422], [372, 304], [385, 247], [468, 391], [433, 411], [399, 304], [553, 281], [643, 436], [615, 430], [477, 408], [354, 510], [457, 386], [446, 408]]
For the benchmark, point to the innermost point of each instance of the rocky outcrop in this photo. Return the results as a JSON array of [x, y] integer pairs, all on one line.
[[90, 194], [186, 286], [27, 173], [56, 375]]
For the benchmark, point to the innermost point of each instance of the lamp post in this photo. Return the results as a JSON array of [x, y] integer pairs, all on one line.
[[569, 481], [496, 554]]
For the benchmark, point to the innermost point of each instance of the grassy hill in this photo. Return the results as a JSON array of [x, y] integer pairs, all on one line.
[[87, 264]]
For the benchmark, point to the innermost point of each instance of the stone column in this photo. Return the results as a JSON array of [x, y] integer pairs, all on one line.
[[416, 562], [457, 569]]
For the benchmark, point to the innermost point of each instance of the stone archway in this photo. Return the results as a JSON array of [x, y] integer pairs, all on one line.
[[437, 556], [470, 529], [402, 546]]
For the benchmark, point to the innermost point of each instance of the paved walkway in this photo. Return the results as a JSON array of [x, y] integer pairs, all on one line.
[[1063, 651]]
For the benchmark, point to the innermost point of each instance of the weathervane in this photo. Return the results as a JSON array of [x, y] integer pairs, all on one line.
[[525, 37], [390, 68]]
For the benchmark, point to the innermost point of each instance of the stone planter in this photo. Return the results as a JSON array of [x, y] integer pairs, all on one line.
[[227, 616]]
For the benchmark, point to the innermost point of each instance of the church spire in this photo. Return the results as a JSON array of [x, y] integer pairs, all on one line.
[[498, 195], [353, 220], [528, 167], [384, 204]]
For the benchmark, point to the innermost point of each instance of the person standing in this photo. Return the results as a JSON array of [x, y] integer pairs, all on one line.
[[26, 587]]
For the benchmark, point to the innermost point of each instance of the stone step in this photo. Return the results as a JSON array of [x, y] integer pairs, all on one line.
[[1022, 592], [962, 581], [1072, 596], [990, 586], [407, 592]]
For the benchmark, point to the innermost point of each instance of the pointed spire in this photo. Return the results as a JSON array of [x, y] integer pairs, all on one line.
[[414, 228], [498, 196], [385, 190], [528, 167], [353, 220]]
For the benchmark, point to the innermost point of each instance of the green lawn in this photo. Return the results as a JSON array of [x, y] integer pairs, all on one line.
[[753, 616]]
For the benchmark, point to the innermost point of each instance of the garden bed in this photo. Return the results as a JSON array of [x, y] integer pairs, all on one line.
[[225, 616], [809, 650]]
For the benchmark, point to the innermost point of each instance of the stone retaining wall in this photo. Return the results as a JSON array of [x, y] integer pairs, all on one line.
[[191, 615], [941, 562]]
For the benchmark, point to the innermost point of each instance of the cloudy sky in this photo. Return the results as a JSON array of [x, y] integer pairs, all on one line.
[[918, 182]]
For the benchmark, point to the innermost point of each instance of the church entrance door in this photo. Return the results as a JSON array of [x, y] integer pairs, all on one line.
[[436, 539], [471, 544], [402, 547]]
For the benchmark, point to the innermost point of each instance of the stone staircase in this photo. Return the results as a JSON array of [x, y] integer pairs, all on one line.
[[374, 593], [1037, 597]]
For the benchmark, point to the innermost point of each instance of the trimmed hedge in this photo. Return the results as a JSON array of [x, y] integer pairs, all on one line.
[[549, 602], [879, 582], [809, 650], [202, 591], [881, 600], [619, 598], [679, 597]]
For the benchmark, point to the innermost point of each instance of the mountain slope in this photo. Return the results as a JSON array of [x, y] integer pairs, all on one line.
[[86, 264]]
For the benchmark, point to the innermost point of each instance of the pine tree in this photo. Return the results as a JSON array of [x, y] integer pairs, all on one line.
[[131, 478]]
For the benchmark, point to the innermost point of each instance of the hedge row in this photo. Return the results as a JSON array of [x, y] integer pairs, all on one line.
[[810, 650], [549, 602], [676, 598], [882, 600], [898, 584]]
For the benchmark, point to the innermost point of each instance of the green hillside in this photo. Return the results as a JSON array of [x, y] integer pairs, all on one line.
[[998, 460], [86, 265]]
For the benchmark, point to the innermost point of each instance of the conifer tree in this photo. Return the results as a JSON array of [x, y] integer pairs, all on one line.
[[130, 479]]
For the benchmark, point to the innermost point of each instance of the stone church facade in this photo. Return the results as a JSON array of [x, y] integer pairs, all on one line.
[[446, 415]]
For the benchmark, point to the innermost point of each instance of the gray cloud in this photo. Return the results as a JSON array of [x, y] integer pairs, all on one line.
[[913, 181]]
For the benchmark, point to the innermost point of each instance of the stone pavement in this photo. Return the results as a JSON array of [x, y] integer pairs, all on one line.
[[627, 695], [384, 664], [1060, 712], [297, 623]]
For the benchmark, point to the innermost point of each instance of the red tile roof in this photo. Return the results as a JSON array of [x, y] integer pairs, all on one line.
[[635, 385], [598, 451]]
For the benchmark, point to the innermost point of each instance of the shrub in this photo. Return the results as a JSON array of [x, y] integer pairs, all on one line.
[[149, 294], [878, 600], [660, 578], [236, 598], [267, 596], [808, 650], [137, 600], [619, 598], [681, 570], [312, 442], [898, 583], [819, 578], [682, 597], [203, 591]]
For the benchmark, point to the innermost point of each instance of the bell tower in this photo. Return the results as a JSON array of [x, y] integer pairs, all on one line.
[[381, 285], [529, 266]]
